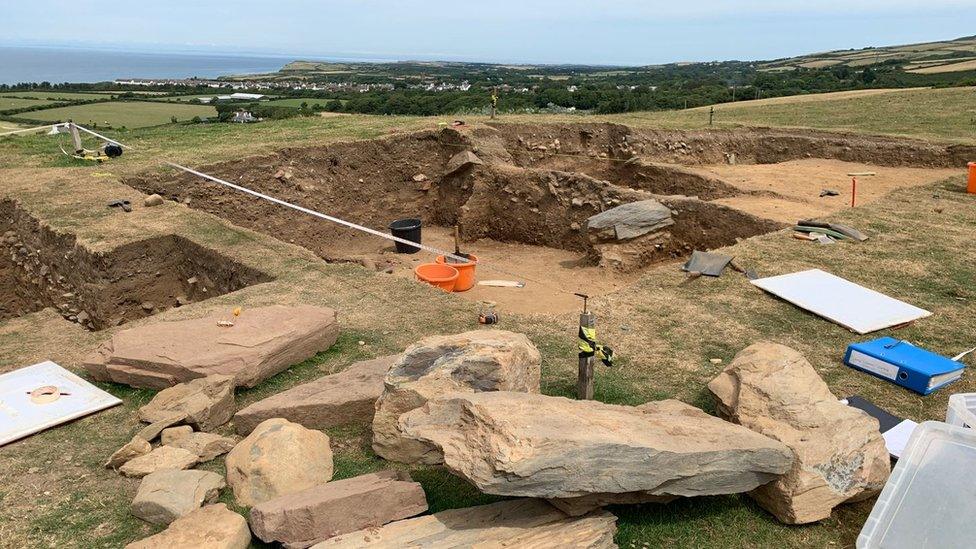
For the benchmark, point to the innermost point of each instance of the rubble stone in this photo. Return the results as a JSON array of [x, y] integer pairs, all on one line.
[[136, 447], [210, 527], [528, 523], [164, 457], [167, 495], [206, 403], [338, 507]]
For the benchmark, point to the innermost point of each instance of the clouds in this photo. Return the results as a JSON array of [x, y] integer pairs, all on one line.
[[584, 31]]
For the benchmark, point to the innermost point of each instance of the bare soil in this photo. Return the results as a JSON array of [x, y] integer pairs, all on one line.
[[43, 268], [528, 200]]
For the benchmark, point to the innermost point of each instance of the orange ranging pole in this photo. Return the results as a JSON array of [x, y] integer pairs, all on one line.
[[971, 188], [854, 185]]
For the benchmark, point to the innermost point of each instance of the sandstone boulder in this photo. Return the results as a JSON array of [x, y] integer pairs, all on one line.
[[481, 360], [520, 444], [205, 403], [164, 457], [840, 454], [279, 457], [303, 518], [262, 342], [167, 495], [346, 397], [210, 527], [206, 446], [136, 447], [528, 523]]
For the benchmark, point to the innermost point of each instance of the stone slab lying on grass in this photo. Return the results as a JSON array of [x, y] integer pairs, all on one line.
[[167, 495], [136, 447], [205, 403], [520, 444], [164, 457], [528, 523], [342, 398], [303, 518], [481, 360], [210, 527], [262, 342], [279, 457], [840, 454]]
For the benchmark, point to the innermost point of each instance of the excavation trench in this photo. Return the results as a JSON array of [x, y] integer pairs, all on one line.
[[527, 192], [41, 268]]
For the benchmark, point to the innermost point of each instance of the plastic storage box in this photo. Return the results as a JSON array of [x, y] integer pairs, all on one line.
[[962, 410], [930, 498]]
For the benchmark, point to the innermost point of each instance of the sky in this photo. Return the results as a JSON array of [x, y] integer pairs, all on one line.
[[605, 32]]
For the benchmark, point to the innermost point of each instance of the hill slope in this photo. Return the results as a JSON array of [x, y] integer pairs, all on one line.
[[925, 58]]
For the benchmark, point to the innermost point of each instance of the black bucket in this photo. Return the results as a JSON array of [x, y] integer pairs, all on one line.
[[407, 229]]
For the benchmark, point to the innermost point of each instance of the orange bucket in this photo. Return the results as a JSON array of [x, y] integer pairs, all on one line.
[[465, 271], [442, 276], [972, 178]]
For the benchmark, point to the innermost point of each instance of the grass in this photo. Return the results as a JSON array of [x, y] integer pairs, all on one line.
[[7, 103], [54, 95], [130, 114], [947, 114], [206, 143]]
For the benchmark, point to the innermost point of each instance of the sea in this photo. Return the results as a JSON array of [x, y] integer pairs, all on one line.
[[59, 64]]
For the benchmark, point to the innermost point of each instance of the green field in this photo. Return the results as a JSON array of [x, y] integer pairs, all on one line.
[[55, 95], [948, 113], [7, 103], [131, 114]]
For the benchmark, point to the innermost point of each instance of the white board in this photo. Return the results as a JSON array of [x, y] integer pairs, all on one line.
[[22, 414], [842, 301]]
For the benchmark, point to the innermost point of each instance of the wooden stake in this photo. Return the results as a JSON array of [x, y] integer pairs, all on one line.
[[584, 383]]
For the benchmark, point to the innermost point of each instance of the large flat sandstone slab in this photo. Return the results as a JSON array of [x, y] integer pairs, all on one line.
[[521, 444], [338, 399], [262, 342], [522, 523]]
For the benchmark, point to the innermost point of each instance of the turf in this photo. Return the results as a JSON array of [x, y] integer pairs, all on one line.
[[7, 103], [129, 114], [55, 95], [947, 114]]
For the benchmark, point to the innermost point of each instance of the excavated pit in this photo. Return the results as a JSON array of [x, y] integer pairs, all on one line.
[[41, 268], [534, 185]]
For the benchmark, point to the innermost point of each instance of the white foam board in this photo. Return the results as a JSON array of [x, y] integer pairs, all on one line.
[[851, 305], [20, 415]]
